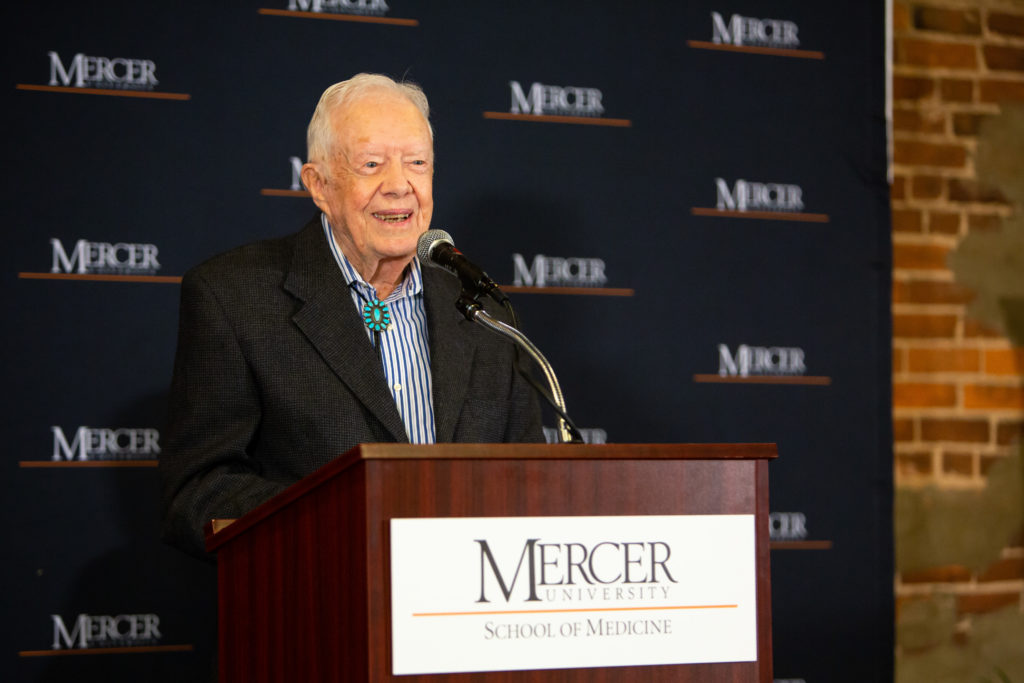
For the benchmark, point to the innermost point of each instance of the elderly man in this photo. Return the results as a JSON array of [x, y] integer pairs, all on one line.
[[292, 351]]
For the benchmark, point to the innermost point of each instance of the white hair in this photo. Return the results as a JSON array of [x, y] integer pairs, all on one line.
[[320, 136]]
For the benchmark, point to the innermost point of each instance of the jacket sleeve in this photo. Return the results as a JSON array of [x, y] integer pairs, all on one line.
[[524, 420], [206, 468]]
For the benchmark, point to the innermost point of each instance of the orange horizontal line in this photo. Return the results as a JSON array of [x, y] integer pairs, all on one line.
[[86, 463], [764, 379], [765, 215], [99, 277], [584, 291], [571, 611], [104, 91], [269, 192], [776, 51], [548, 118], [339, 17], [106, 651], [801, 545]]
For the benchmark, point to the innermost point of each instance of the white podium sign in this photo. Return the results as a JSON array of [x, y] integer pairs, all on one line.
[[518, 593]]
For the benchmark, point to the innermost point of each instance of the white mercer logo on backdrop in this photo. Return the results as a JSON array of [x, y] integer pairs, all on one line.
[[760, 360], [555, 99], [554, 271], [375, 7], [787, 526], [741, 30], [119, 72], [745, 195], [94, 630], [591, 435], [296, 164], [100, 443], [104, 257]]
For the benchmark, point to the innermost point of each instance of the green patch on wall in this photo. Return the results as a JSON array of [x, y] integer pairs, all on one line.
[[992, 263], [939, 527], [992, 652]]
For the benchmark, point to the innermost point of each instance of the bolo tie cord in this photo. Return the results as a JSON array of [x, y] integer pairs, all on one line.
[[377, 317]]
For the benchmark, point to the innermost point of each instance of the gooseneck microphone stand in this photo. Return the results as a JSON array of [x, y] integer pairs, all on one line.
[[474, 312]]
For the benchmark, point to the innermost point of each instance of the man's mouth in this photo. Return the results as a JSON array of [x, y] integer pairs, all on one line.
[[389, 217]]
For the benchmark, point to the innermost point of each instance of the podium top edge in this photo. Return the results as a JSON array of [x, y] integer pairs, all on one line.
[[218, 534], [515, 451]]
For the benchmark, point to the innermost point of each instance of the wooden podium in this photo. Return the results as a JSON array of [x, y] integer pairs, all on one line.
[[304, 579]]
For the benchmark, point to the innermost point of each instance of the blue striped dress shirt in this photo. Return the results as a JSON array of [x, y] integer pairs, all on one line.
[[403, 346]]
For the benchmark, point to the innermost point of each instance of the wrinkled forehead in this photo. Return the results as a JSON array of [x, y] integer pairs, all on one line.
[[381, 117]]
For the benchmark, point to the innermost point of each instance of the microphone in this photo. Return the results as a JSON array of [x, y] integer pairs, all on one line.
[[436, 248]]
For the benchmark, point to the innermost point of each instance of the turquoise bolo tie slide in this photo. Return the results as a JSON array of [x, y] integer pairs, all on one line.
[[376, 315]]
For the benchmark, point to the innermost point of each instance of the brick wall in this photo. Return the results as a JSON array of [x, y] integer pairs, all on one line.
[[958, 392]]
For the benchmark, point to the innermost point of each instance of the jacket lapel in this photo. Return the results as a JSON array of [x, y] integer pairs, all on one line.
[[452, 348], [333, 326]]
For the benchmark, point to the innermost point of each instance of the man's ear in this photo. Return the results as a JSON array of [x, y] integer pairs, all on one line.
[[314, 182]]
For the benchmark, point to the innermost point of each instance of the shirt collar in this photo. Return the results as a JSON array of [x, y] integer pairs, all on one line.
[[411, 284]]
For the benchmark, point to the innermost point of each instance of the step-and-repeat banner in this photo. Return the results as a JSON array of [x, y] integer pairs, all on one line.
[[686, 201]]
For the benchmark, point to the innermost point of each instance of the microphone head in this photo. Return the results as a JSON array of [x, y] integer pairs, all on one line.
[[429, 240]]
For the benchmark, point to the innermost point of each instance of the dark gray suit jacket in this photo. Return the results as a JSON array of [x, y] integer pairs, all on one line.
[[275, 376]]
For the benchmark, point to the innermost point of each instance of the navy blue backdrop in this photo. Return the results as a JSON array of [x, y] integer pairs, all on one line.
[[688, 201]]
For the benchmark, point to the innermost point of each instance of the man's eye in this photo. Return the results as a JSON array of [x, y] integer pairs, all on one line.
[[371, 164], [420, 162]]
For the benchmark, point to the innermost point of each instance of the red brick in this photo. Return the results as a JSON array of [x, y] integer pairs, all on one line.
[[923, 395], [902, 429], [1004, 361], [1003, 58], [918, 153], [906, 220], [936, 53], [1007, 24], [964, 22], [914, 121], [900, 295], [993, 397], [926, 187], [960, 464], [943, 360], [931, 292], [977, 604], [984, 222], [965, 123], [970, 431], [911, 87], [1009, 569], [920, 326], [956, 90], [920, 256], [973, 328], [901, 17], [952, 573], [1009, 432], [898, 189], [1001, 91], [914, 463], [964, 190], [943, 223], [898, 361]]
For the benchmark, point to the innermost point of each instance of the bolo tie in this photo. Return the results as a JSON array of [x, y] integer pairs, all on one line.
[[377, 317]]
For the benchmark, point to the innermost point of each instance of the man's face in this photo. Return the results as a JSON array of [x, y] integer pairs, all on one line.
[[378, 193]]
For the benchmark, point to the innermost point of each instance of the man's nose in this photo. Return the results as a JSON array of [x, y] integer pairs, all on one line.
[[396, 182]]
